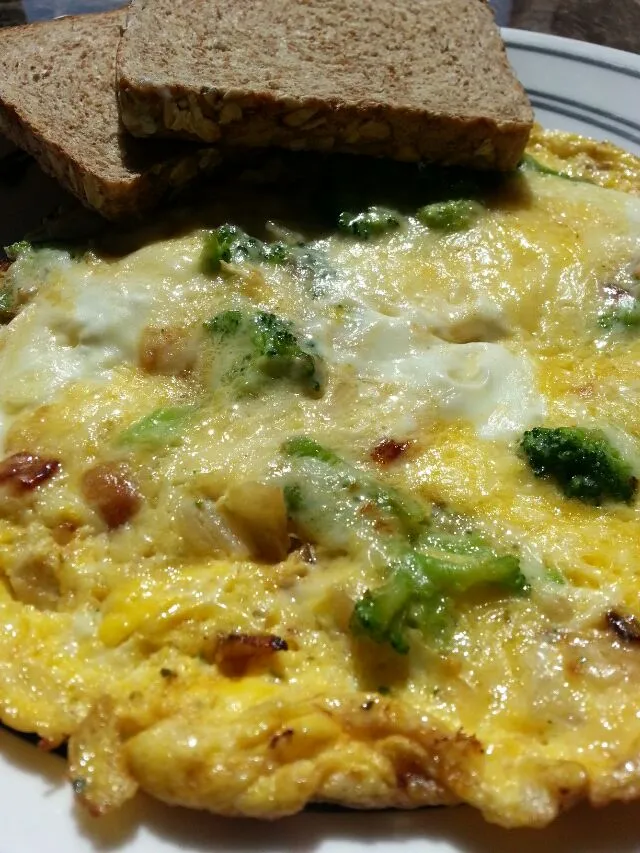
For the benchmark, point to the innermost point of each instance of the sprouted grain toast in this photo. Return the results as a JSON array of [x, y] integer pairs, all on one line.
[[411, 80]]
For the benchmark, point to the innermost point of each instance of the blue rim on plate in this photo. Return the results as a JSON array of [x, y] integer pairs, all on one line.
[[548, 66]]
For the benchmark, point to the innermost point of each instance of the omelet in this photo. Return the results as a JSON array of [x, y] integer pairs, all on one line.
[[331, 495]]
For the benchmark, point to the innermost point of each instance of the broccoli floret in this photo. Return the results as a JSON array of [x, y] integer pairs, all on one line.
[[419, 593], [387, 614], [582, 461], [280, 353], [14, 250], [160, 428], [231, 244], [370, 223], [216, 248], [455, 215], [348, 490], [253, 348], [277, 253], [225, 324]]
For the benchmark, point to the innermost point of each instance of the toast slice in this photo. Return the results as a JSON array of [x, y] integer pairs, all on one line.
[[409, 79], [58, 102]]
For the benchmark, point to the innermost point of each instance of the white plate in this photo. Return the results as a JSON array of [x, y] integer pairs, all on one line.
[[579, 87], [584, 88]]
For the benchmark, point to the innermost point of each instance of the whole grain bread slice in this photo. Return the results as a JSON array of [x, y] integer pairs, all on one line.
[[58, 102], [408, 79]]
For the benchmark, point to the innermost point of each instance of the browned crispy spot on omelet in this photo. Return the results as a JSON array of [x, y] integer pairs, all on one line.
[[346, 750], [236, 652], [624, 625]]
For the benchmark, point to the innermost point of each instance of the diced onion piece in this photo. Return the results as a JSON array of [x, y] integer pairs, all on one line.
[[257, 513]]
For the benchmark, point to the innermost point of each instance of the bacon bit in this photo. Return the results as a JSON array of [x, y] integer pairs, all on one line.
[[25, 471], [5, 263], [235, 652], [388, 450], [627, 628], [166, 351], [235, 646], [111, 492], [48, 745]]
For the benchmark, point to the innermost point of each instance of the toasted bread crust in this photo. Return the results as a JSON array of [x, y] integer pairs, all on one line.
[[406, 135], [214, 97]]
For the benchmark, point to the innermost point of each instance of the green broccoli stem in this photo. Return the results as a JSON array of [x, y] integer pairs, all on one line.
[[161, 428], [384, 500], [531, 164], [421, 590], [302, 446], [625, 316], [426, 570]]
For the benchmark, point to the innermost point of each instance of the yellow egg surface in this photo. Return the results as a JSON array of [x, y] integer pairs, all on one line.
[[270, 530]]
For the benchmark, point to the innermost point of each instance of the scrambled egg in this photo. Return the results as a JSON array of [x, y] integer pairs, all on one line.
[[161, 611]]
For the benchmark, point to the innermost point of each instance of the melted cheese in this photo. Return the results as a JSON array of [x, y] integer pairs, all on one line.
[[78, 328], [482, 382]]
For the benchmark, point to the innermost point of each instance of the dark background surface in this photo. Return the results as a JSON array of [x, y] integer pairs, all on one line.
[[615, 23]]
